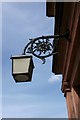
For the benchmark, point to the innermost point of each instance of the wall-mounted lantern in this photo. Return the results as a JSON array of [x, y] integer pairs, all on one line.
[[40, 47], [22, 68]]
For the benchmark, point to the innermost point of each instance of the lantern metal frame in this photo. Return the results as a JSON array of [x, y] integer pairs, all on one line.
[[44, 46]]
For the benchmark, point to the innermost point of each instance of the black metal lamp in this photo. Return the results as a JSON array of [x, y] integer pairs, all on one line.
[[40, 47]]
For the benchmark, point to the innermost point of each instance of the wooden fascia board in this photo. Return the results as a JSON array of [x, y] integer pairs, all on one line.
[[58, 18], [50, 9]]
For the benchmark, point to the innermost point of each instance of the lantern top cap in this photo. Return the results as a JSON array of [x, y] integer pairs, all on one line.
[[20, 56]]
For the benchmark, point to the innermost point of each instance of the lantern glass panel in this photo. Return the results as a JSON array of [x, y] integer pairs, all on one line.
[[21, 65], [22, 78]]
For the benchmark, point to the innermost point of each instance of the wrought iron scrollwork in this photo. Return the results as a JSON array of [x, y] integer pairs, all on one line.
[[42, 47]]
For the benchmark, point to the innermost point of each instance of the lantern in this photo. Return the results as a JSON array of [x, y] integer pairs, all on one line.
[[22, 68]]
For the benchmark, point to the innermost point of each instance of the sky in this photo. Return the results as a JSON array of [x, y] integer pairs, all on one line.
[[0, 60], [41, 98]]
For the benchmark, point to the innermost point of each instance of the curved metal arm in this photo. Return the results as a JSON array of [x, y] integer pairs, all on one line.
[[42, 47]]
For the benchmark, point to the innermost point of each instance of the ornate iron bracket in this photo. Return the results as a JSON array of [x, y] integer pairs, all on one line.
[[43, 47]]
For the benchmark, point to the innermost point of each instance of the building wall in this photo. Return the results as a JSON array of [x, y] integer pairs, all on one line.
[[72, 62], [67, 62]]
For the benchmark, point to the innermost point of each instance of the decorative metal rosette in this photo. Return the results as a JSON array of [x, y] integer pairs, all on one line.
[[41, 47]]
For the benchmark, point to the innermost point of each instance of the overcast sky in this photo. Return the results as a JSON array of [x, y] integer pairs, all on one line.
[[42, 98]]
